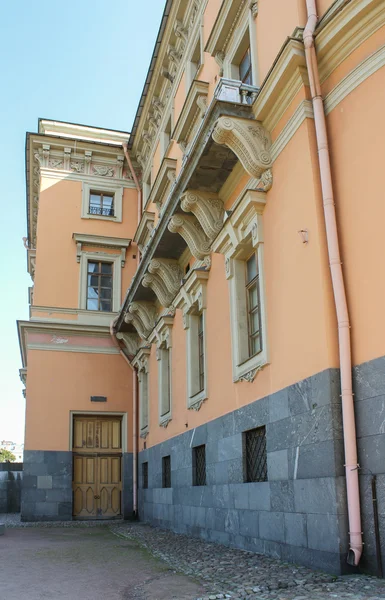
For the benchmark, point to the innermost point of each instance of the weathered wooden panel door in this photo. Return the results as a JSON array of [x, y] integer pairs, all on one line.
[[97, 467]]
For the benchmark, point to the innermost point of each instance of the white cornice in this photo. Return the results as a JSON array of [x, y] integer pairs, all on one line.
[[83, 132], [101, 240]]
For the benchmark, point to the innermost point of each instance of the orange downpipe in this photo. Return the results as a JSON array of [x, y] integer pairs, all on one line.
[[349, 425]]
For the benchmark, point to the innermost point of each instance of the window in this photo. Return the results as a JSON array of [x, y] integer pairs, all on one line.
[[201, 353], [145, 475], [253, 306], [101, 203], [254, 453], [164, 383], [193, 64], [245, 69], [99, 286], [143, 399], [199, 465], [166, 471], [165, 137]]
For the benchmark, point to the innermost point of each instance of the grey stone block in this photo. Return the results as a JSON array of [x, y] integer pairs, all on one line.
[[220, 537], [272, 549], [47, 509], [282, 496], [33, 456], [211, 452], [369, 379], [230, 448], [323, 532], [220, 472], [221, 496], [33, 495], [198, 516], [325, 459], [259, 495], [235, 470], [300, 397], [249, 523], [371, 452], [370, 416], [240, 495], [39, 468], [315, 495], [277, 465], [210, 518], [29, 482], [57, 495], [44, 482], [2, 528], [182, 477], [200, 435], [279, 405], [232, 522], [325, 388], [295, 529], [315, 559], [252, 415], [65, 510], [271, 526]]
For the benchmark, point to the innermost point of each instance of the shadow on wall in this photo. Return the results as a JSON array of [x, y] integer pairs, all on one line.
[[11, 477]]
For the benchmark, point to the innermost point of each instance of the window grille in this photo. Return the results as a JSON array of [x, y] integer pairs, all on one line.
[[199, 465], [255, 457], [166, 471], [145, 475]]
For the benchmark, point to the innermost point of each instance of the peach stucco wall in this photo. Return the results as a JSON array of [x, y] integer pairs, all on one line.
[[59, 382], [57, 271]]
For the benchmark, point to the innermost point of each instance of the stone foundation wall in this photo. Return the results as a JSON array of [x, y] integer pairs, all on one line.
[[47, 486], [369, 396], [11, 477], [298, 515]]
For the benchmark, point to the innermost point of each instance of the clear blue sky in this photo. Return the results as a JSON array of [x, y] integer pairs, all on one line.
[[82, 61]]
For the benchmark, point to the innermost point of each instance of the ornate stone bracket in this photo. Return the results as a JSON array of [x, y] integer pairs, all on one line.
[[131, 341], [143, 317], [191, 231], [207, 208], [249, 141], [251, 375], [196, 405], [164, 278], [165, 422]]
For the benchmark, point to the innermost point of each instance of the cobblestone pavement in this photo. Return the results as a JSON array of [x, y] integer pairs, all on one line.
[[239, 575]]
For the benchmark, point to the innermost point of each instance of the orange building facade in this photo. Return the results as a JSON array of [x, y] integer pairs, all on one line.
[[187, 358]]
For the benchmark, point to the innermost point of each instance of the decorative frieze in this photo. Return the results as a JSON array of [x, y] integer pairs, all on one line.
[[191, 231], [249, 141], [208, 209]]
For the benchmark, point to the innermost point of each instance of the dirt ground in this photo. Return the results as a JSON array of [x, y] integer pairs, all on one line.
[[85, 564]]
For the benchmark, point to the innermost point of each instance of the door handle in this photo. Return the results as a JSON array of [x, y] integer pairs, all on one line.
[[97, 497]]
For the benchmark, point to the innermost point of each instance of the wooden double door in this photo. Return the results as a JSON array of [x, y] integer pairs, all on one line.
[[97, 467]]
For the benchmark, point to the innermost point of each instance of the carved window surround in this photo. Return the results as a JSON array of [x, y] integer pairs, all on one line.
[[224, 26], [192, 301], [143, 233], [193, 111], [163, 183], [141, 363], [241, 235], [101, 241], [164, 277], [107, 186], [161, 336]]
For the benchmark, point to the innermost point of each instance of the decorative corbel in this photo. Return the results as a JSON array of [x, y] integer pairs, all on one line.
[[78, 251], [191, 231], [254, 8], [123, 256], [219, 58], [119, 166], [169, 271], [87, 160], [157, 285], [180, 31], [131, 341], [173, 54], [146, 314], [167, 75], [249, 141], [207, 208], [46, 149]]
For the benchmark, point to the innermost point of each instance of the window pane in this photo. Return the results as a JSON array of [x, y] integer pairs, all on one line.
[[245, 66], [253, 297], [106, 281], [105, 305], [106, 268], [92, 304], [93, 280], [255, 345], [92, 267], [251, 267], [106, 293], [254, 321], [95, 199]]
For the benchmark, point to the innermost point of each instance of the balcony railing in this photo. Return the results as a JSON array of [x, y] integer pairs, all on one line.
[[233, 90], [104, 211]]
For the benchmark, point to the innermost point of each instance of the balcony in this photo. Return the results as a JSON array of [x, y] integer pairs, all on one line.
[[233, 90]]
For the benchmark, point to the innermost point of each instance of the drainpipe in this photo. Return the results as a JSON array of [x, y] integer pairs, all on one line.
[[349, 426], [134, 418]]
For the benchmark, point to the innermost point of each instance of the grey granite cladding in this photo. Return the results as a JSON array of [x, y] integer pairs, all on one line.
[[369, 396], [47, 486], [11, 477], [299, 514]]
